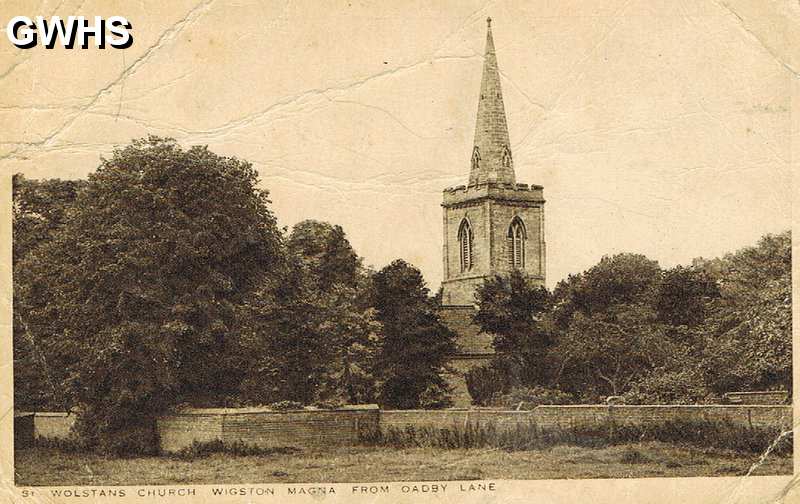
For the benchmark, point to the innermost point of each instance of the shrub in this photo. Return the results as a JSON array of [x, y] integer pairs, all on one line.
[[435, 396], [530, 397], [200, 449], [326, 405], [286, 405], [486, 382], [67, 445]]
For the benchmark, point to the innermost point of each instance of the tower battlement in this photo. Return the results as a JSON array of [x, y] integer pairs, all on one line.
[[501, 192]]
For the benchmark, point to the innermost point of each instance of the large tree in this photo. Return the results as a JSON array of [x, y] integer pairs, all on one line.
[[514, 310], [323, 251], [40, 209], [310, 343], [415, 344], [142, 283], [684, 295], [621, 278], [605, 353], [749, 329]]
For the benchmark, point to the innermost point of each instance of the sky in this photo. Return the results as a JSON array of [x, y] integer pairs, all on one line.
[[661, 128]]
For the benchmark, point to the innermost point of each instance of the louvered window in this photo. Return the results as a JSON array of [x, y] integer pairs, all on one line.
[[465, 245], [516, 244]]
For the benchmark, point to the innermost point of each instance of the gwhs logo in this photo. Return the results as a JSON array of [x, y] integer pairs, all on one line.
[[24, 33]]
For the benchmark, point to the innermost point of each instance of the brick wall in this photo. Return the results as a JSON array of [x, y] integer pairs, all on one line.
[[53, 425], [323, 428], [565, 416], [765, 397], [267, 429]]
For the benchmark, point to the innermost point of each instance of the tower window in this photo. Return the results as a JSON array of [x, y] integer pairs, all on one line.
[[476, 158], [516, 244], [506, 157], [465, 245]]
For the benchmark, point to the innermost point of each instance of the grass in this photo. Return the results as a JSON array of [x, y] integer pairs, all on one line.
[[530, 436], [52, 466], [459, 452]]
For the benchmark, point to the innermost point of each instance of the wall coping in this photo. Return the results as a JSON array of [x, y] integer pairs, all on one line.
[[664, 406], [758, 392], [596, 406], [374, 407], [264, 409], [43, 413]]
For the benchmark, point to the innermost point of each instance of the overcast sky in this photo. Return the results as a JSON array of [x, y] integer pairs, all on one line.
[[655, 127]]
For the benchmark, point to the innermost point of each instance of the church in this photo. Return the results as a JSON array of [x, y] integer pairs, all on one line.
[[492, 225]]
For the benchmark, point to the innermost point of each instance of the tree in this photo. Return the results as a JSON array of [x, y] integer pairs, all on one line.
[[323, 250], [748, 332], [684, 295], [513, 309], [143, 282], [622, 278], [40, 209], [315, 336], [416, 344], [311, 346], [605, 353]]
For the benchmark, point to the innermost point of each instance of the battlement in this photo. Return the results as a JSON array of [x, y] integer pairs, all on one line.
[[502, 192]]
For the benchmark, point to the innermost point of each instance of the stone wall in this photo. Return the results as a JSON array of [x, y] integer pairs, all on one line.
[[266, 428]]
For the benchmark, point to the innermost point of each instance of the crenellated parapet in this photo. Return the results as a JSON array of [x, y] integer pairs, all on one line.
[[517, 193]]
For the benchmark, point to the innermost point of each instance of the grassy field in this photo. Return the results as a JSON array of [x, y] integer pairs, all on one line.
[[50, 466]]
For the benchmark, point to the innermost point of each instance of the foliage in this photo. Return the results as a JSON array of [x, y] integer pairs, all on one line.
[[323, 251], [484, 383], [618, 279], [415, 343], [143, 283], [683, 296], [679, 384], [613, 348], [204, 449], [747, 342], [514, 310], [40, 210], [312, 341], [530, 397]]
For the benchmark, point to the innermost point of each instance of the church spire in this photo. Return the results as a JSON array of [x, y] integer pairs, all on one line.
[[491, 154]]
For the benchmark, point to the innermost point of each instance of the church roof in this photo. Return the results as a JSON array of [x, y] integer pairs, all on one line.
[[491, 155]]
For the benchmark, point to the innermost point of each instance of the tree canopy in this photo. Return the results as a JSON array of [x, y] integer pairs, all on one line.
[[627, 327], [143, 279], [416, 343]]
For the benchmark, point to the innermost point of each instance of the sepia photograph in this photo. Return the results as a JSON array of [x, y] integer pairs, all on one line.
[[413, 247]]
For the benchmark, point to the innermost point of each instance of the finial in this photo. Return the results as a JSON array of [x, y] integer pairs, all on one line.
[[489, 22]]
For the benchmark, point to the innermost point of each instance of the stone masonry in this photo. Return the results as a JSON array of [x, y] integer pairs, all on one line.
[[490, 226]]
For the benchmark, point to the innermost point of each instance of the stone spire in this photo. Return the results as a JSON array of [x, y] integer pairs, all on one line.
[[491, 154]]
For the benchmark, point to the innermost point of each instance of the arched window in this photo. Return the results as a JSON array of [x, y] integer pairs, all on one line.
[[516, 244], [506, 157], [465, 245], [476, 158]]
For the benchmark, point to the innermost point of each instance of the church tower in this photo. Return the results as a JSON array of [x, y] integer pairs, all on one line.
[[493, 224]]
